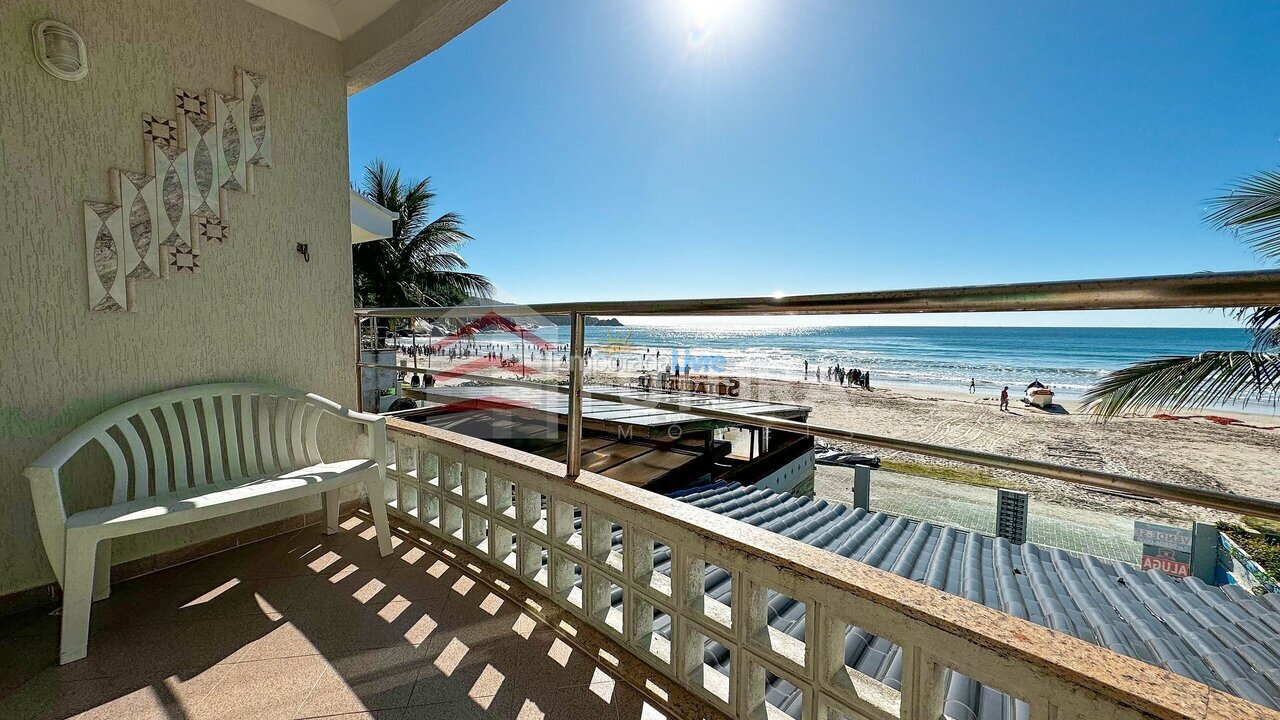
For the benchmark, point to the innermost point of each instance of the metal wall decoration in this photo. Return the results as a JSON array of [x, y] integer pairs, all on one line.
[[159, 130], [162, 221], [253, 89], [137, 197], [202, 149], [169, 166], [209, 230], [103, 235], [229, 120]]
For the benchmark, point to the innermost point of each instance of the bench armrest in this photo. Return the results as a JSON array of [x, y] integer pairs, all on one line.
[[378, 440], [341, 411], [361, 417], [375, 425], [51, 514]]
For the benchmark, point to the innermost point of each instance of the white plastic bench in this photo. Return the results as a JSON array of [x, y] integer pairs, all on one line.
[[186, 455]]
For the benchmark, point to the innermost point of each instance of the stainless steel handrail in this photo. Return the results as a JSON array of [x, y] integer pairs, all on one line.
[[1199, 290], [1203, 290]]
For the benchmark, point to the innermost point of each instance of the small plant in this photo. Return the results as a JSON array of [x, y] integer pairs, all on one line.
[[1264, 550], [967, 476], [1262, 525]]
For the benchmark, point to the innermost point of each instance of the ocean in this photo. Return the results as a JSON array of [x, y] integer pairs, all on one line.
[[1068, 360]]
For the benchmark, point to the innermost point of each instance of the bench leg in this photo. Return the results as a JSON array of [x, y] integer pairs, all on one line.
[[378, 508], [102, 572], [77, 598], [331, 505]]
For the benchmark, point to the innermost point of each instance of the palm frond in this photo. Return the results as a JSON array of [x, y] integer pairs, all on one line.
[[458, 282], [443, 261], [381, 184], [415, 207], [1264, 323], [1171, 383], [418, 264], [1252, 210], [443, 232]]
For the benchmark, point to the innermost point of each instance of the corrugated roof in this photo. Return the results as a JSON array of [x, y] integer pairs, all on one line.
[[1224, 637]]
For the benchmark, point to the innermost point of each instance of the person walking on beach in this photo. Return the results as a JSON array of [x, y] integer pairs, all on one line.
[[806, 369], [973, 385], [1004, 399]]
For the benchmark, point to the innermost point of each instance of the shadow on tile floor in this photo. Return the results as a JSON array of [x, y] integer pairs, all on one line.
[[308, 625]]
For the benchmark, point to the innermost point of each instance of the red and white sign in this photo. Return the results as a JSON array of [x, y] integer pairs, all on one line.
[[1166, 565]]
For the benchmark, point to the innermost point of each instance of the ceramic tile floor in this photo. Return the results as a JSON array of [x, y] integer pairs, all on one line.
[[310, 625]]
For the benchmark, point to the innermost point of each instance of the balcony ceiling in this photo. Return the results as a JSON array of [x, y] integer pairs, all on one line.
[[382, 37], [338, 19]]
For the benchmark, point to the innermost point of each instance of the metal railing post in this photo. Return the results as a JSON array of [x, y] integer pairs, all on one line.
[[359, 367], [862, 487], [1204, 551], [573, 452]]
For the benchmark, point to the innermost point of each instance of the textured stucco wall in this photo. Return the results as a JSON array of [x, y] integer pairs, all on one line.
[[258, 312]]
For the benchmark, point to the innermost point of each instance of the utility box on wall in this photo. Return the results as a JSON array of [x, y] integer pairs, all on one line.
[[378, 388], [1011, 515]]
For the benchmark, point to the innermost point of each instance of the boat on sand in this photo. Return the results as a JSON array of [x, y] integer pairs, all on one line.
[[1039, 395]]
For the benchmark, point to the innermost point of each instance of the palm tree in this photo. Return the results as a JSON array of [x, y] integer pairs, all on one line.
[[419, 264], [1251, 210]]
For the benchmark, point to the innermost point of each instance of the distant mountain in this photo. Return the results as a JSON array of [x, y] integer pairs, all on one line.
[[560, 320], [590, 320]]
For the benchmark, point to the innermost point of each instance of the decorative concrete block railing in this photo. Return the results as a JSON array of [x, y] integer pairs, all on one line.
[[517, 512]]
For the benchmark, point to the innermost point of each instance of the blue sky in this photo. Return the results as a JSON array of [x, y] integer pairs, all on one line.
[[633, 149]]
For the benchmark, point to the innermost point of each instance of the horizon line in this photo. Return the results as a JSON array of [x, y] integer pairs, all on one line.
[[1030, 327]]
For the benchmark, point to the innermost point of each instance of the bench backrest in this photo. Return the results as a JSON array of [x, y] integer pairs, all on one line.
[[197, 435]]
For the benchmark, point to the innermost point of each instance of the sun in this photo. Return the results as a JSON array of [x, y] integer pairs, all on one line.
[[706, 17], [703, 13]]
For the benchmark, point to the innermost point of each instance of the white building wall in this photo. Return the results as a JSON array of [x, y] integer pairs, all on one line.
[[257, 312]]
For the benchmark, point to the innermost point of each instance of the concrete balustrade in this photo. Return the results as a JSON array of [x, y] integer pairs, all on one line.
[[590, 544]]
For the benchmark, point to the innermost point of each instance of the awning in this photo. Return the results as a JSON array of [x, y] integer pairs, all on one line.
[[369, 220]]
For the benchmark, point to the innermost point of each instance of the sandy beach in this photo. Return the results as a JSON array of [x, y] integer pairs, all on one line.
[[1195, 452], [1241, 458]]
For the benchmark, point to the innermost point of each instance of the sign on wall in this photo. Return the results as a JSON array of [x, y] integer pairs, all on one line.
[[1162, 536], [1168, 561], [1164, 548]]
